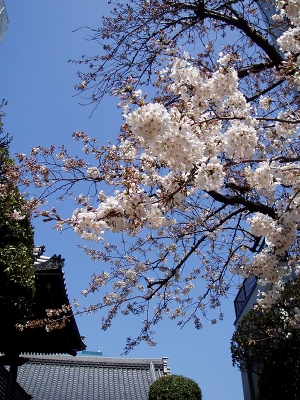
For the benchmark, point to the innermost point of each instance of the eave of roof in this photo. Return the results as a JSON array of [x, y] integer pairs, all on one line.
[[51, 293]]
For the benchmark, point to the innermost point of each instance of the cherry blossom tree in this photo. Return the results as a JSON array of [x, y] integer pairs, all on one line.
[[202, 183]]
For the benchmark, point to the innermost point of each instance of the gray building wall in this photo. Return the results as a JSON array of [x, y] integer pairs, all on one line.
[[3, 20], [249, 379]]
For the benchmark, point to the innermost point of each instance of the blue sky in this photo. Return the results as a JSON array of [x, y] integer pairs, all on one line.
[[38, 83]]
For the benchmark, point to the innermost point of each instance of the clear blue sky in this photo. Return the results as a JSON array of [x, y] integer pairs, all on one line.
[[38, 83]]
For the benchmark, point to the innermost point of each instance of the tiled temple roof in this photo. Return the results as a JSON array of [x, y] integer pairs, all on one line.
[[90, 378]]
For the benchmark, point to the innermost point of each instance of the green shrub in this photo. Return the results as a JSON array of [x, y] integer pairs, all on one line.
[[174, 387]]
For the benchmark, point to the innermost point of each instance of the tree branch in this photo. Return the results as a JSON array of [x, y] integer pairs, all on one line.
[[250, 31], [251, 206]]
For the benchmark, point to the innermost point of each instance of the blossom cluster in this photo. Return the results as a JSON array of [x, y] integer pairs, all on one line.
[[126, 211], [289, 41], [173, 153]]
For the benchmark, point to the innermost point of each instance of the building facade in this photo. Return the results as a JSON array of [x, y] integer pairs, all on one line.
[[3, 20], [244, 301]]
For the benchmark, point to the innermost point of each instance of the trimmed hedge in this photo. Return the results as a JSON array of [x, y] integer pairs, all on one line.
[[174, 387]]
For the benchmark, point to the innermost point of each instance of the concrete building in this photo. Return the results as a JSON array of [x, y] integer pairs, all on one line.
[[3, 20], [244, 301]]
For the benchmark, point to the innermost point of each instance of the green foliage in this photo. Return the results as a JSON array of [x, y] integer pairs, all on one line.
[[16, 258], [271, 339], [174, 387], [280, 376], [17, 284]]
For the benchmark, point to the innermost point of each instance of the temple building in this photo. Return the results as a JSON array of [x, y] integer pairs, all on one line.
[[45, 361]]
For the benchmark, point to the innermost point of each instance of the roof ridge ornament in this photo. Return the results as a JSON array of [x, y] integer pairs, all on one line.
[[49, 263], [38, 251]]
